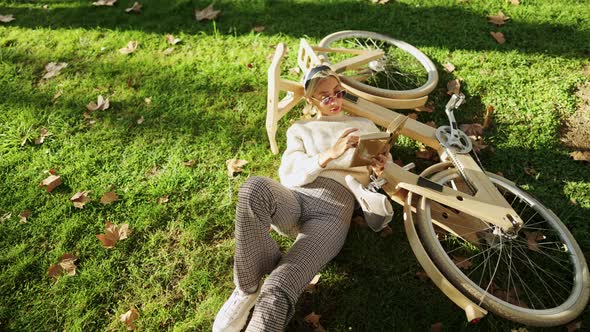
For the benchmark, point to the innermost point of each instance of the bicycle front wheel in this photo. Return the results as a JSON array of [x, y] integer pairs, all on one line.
[[403, 72], [538, 277]]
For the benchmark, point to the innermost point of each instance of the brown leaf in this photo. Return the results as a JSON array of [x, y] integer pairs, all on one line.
[[386, 232], [190, 163], [130, 48], [234, 166], [454, 87], [487, 119], [574, 326], [449, 67], [530, 171], [101, 105], [499, 37], [428, 108], [43, 132], [258, 28], [80, 199], [51, 182], [310, 288], [53, 68], [313, 319], [413, 116], [65, 265], [436, 327], [5, 217], [426, 153], [55, 271], [478, 144], [163, 199], [359, 221], [171, 40], [129, 317], [6, 18], [113, 234], [431, 124], [462, 262], [136, 8], [423, 276], [206, 14], [24, 215], [109, 197], [472, 129], [532, 238], [498, 19], [109, 3], [140, 120], [581, 155]]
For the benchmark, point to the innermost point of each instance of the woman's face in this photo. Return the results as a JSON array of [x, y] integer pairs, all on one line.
[[327, 98]]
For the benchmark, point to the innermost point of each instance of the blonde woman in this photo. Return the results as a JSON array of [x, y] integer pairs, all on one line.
[[312, 204]]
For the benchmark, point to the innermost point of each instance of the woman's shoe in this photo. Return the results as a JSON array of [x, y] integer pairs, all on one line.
[[376, 207], [234, 313]]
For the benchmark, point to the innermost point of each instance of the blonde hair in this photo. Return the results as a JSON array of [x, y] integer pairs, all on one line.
[[311, 80]]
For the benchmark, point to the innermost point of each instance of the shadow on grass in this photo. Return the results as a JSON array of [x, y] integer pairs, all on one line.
[[453, 27]]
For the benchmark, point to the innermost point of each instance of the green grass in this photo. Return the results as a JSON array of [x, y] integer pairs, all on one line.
[[208, 104]]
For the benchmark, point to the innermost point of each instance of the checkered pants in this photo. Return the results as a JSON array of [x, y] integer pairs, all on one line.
[[317, 215]]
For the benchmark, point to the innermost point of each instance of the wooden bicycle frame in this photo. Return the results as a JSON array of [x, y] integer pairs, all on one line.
[[457, 212]]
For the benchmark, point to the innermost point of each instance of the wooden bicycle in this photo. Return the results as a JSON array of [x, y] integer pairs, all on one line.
[[486, 243]]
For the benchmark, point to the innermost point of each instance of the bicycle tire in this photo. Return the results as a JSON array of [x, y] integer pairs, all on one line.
[[419, 63], [536, 311]]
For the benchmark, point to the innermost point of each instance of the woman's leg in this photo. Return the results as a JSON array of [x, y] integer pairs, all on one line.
[[261, 202], [326, 211]]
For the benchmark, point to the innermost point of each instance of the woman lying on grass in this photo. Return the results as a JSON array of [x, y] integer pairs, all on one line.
[[313, 203]]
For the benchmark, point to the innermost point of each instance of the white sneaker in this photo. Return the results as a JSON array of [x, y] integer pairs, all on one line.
[[233, 314], [376, 207]]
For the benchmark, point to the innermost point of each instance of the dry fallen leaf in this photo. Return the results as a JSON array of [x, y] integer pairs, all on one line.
[[258, 28], [426, 153], [109, 3], [359, 221], [310, 288], [499, 37], [190, 163], [478, 144], [472, 129], [66, 265], [487, 119], [128, 318], [313, 319], [581, 155], [80, 199], [43, 132], [462, 262], [140, 120], [530, 171], [413, 116], [6, 18], [109, 197], [234, 166], [449, 67], [171, 40], [533, 238], [454, 87], [51, 182], [136, 8], [24, 215], [428, 108], [206, 14], [53, 69], [101, 105], [498, 19], [163, 199], [5, 217], [113, 234], [130, 48], [431, 124]]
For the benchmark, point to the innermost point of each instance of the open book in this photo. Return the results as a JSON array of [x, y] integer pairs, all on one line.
[[370, 145]]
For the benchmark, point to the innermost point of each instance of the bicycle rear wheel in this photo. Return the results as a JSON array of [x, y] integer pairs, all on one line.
[[538, 277], [403, 72]]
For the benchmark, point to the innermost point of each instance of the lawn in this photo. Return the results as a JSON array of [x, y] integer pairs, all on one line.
[[176, 116]]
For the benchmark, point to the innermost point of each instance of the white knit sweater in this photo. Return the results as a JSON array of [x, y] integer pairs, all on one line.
[[306, 139]]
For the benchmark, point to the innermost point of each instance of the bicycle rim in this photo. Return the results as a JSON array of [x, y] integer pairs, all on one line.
[[538, 278], [403, 72]]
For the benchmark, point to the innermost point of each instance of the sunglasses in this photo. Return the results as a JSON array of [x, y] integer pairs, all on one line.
[[329, 99]]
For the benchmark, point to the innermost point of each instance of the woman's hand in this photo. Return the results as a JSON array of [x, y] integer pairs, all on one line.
[[379, 162], [344, 142]]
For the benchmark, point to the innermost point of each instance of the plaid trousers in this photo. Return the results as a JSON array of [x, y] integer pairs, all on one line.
[[317, 215]]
